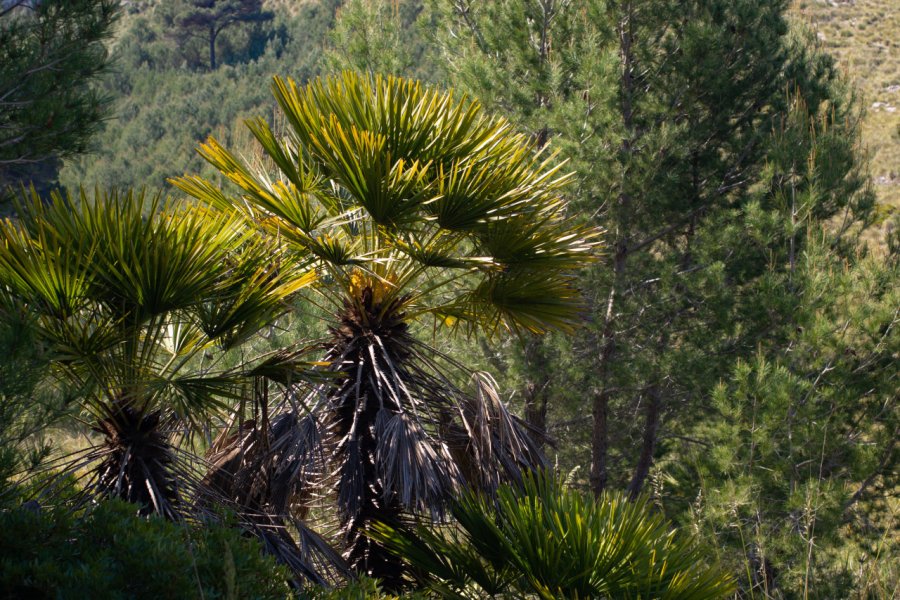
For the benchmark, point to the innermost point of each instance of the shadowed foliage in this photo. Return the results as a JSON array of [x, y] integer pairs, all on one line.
[[108, 552], [52, 56]]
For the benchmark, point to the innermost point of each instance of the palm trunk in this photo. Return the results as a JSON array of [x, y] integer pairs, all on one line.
[[358, 401], [137, 468]]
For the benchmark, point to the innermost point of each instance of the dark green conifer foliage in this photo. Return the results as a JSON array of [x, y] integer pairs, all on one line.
[[51, 54], [665, 109], [800, 437]]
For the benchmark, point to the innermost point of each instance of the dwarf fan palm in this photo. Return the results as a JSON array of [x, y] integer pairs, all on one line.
[[408, 202], [543, 540], [129, 297]]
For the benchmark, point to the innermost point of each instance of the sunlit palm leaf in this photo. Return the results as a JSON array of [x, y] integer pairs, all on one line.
[[128, 294], [419, 171]]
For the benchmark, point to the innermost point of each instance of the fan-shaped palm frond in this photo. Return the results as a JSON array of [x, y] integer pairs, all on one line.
[[383, 178], [409, 202], [546, 541], [128, 294]]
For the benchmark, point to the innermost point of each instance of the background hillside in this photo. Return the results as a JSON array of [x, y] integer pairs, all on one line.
[[157, 85], [865, 36]]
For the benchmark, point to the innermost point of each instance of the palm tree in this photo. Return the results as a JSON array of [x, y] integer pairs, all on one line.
[[132, 298], [411, 205]]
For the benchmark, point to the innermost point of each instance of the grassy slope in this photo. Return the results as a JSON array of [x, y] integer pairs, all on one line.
[[865, 37]]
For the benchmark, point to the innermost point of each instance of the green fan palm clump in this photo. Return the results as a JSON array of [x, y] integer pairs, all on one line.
[[131, 300], [544, 540], [411, 205]]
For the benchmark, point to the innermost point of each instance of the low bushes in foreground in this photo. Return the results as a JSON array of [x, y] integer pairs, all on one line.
[[110, 552]]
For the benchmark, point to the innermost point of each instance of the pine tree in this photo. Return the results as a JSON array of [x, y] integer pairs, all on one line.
[[207, 19], [383, 37], [51, 54], [665, 109], [802, 431]]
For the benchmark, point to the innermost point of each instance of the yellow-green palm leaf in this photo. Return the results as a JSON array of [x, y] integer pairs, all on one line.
[[127, 291], [128, 296], [416, 190]]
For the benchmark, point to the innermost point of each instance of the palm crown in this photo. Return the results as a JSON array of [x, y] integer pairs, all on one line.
[[382, 182], [128, 296], [407, 202]]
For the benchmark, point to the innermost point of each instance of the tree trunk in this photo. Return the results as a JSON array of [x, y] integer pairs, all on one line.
[[213, 34], [600, 404], [535, 392], [619, 220], [648, 447], [599, 442]]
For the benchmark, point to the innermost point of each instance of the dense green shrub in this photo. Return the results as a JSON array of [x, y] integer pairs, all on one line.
[[109, 552]]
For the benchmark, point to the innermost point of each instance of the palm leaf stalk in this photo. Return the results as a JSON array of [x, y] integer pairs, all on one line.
[[130, 296], [543, 540], [257, 464], [411, 205]]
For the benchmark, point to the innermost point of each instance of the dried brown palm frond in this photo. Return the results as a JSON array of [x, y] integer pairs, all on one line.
[[490, 444], [265, 468], [309, 556], [428, 439]]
